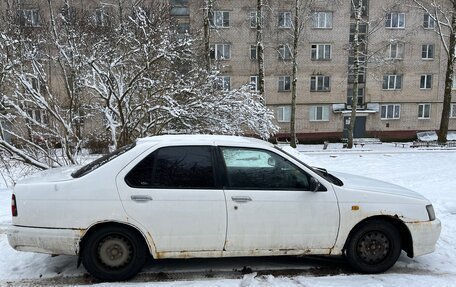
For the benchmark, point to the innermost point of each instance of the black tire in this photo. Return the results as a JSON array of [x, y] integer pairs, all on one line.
[[114, 253], [373, 247]]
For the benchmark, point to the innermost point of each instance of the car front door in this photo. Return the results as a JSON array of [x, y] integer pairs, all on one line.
[[173, 193], [270, 206]]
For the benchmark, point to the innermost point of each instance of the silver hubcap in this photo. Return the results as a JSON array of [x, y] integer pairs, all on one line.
[[115, 251]]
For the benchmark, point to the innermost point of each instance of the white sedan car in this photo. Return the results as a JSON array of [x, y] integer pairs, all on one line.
[[186, 196]]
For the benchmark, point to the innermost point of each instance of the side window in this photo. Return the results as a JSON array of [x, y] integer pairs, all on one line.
[[262, 169], [174, 167], [141, 174]]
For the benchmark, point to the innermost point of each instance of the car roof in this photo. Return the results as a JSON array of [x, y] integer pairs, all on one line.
[[195, 139]]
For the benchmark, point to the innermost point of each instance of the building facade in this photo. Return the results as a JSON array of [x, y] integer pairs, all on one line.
[[401, 85]]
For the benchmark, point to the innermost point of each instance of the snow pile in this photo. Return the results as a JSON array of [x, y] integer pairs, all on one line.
[[451, 136], [427, 136]]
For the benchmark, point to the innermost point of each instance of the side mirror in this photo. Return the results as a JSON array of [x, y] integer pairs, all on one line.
[[315, 185]]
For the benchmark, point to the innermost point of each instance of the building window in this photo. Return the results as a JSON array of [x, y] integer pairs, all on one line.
[[427, 51], [319, 84], [179, 11], [183, 28], [30, 17], [284, 20], [178, 2], [101, 17], [253, 19], [395, 20], [321, 52], [221, 51], [350, 96], [396, 51], [36, 85], [254, 83], [322, 20], [285, 52], [253, 52], [68, 13], [392, 82], [453, 85], [284, 83], [424, 111], [38, 116], [284, 114], [390, 112], [319, 113], [223, 83], [428, 22], [361, 71], [453, 111], [426, 82], [220, 19]]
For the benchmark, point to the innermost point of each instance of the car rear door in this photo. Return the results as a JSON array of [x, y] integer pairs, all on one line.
[[174, 193], [270, 207]]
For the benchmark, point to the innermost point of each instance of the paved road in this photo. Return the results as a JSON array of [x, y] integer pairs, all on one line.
[[201, 269]]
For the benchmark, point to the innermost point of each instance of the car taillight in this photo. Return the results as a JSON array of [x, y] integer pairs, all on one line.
[[13, 205]]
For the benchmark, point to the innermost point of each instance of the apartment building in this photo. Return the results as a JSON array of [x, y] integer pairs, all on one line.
[[401, 87]]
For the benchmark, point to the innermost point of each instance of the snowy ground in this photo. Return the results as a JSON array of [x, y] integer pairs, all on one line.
[[430, 172]]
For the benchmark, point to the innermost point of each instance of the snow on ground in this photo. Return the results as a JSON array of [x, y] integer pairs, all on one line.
[[431, 172]]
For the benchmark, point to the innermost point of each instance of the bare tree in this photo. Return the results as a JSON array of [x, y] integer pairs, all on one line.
[[132, 68], [443, 17], [137, 74], [207, 12], [37, 117], [302, 15], [364, 28], [296, 32], [357, 65], [260, 46], [149, 82]]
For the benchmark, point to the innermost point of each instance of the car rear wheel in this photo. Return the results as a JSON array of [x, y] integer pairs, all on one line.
[[373, 247], [113, 253]]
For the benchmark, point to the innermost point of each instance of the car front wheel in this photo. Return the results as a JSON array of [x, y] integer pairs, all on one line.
[[373, 247], [113, 253]]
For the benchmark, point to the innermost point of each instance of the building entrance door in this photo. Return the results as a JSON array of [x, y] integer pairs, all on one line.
[[360, 127]]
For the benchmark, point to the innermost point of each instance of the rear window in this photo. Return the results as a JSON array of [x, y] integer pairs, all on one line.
[[101, 161]]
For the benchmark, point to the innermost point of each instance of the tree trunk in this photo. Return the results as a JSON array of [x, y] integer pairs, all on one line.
[[207, 33], [296, 31], [443, 130], [356, 68], [260, 48]]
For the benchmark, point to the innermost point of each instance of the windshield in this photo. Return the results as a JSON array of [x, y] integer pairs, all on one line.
[[101, 161], [320, 171]]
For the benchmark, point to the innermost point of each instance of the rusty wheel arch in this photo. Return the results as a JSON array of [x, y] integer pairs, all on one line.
[[406, 237], [93, 228]]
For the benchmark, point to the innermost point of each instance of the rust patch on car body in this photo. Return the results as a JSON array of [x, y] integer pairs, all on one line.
[[151, 244]]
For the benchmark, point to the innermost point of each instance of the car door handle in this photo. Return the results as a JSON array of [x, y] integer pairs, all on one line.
[[140, 198], [241, 198]]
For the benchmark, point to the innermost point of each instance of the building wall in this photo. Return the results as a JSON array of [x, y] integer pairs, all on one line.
[[240, 67]]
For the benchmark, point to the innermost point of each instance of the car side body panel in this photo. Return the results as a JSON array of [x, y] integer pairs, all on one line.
[[45, 240], [358, 205], [75, 203]]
